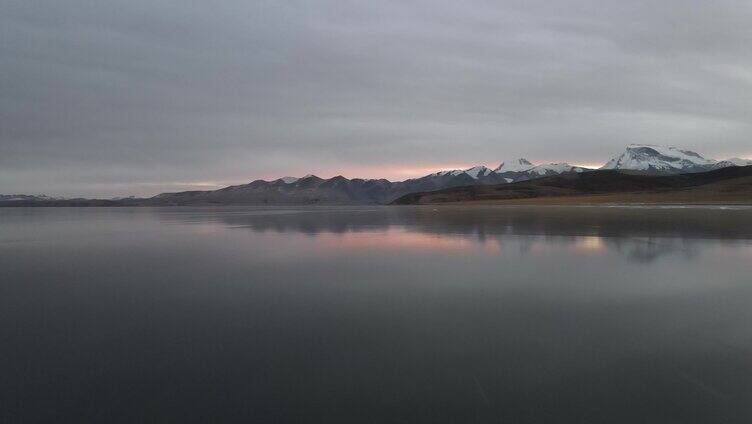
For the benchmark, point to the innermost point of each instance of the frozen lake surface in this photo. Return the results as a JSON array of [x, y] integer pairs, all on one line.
[[376, 314]]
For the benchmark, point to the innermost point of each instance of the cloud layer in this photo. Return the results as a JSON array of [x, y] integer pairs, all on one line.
[[144, 96]]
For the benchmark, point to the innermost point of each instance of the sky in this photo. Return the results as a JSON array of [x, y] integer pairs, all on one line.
[[137, 97]]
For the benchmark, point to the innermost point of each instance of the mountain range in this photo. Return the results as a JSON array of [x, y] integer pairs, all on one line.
[[645, 159], [313, 189], [725, 185], [662, 159]]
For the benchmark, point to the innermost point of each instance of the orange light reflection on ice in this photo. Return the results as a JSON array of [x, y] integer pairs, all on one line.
[[403, 240], [590, 244]]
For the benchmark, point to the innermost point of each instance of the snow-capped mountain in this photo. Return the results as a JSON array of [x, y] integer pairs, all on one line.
[[732, 162], [517, 165], [507, 172], [667, 159], [739, 161], [478, 172], [451, 172], [643, 157], [474, 172], [554, 169], [523, 169]]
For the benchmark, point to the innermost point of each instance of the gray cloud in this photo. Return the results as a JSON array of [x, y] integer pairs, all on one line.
[[138, 97]]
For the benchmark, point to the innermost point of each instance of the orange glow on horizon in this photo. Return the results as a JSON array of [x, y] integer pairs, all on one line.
[[390, 172], [401, 172]]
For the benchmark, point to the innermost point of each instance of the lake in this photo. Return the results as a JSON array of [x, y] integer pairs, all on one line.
[[376, 315]]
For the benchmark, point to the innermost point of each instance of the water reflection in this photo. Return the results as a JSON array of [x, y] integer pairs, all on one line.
[[641, 235], [602, 221]]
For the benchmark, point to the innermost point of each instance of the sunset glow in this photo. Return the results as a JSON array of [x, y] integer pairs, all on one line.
[[396, 172]]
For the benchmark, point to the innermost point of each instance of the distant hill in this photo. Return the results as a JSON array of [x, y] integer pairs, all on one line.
[[726, 185], [25, 198]]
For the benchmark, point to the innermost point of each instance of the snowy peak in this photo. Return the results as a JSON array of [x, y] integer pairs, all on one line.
[[517, 165], [733, 162], [643, 157], [474, 172], [288, 180], [477, 172], [512, 171], [452, 172], [309, 177], [554, 168]]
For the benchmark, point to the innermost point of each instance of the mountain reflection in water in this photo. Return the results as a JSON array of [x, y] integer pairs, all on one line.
[[642, 234]]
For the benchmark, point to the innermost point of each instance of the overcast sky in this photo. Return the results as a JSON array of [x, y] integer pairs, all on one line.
[[101, 98]]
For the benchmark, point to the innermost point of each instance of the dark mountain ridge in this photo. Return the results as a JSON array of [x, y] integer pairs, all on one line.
[[315, 190], [736, 181]]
